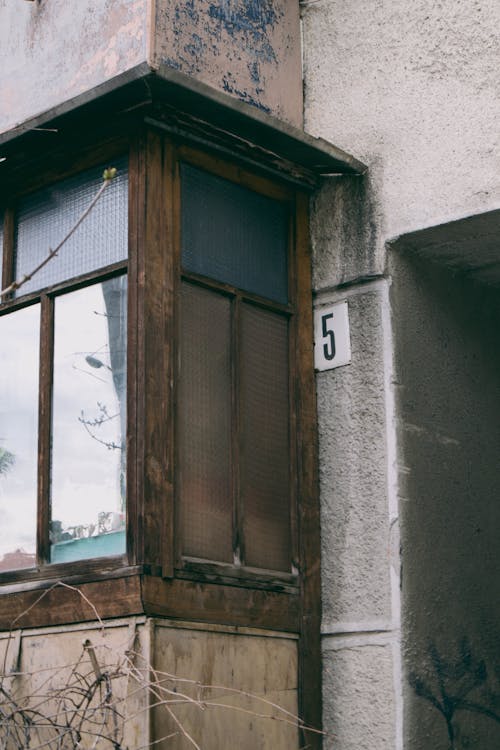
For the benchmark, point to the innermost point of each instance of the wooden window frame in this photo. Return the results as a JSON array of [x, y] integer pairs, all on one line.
[[190, 567], [154, 276], [152, 578]]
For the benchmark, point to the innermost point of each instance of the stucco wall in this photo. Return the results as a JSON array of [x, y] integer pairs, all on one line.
[[412, 89], [247, 48], [448, 374], [53, 50]]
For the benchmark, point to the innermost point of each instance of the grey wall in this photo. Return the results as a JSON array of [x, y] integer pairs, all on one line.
[[52, 50], [446, 329], [412, 89]]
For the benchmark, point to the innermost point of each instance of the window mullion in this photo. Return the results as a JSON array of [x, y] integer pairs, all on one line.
[[45, 427], [7, 270], [238, 539]]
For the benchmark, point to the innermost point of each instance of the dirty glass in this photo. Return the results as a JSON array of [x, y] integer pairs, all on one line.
[[204, 424], [19, 354], [265, 452], [45, 217], [233, 234], [89, 422]]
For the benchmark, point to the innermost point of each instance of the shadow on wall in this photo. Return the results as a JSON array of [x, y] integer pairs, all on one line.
[[447, 384], [460, 686]]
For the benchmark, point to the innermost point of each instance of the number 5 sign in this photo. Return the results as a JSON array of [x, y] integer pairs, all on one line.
[[332, 344]]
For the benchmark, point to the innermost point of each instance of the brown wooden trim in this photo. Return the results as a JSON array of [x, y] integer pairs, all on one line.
[[176, 331], [293, 424], [232, 291], [171, 206], [80, 571], [7, 270], [210, 572], [60, 604], [238, 510], [63, 159], [234, 173], [45, 427], [156, 289], [308, 490], [225, 605], [134, 551]]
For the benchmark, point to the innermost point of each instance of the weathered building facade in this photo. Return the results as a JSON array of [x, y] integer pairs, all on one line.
[[237, 219]]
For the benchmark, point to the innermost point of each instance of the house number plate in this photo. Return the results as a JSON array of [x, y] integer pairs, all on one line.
[[332, 343]]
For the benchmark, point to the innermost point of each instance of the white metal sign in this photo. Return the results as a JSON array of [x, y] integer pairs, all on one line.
[[332, 342]]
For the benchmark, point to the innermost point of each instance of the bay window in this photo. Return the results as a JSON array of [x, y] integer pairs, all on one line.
[[151, 382]]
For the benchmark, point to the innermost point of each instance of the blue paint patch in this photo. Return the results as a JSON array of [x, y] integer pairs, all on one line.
[[196, 47], [171, 62], [244, 96], [238, 30], [253, 69]]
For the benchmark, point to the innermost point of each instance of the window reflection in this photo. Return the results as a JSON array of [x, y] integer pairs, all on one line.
[[19, 352], [89, 422]]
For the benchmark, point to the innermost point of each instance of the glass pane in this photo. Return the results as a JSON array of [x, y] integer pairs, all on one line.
[[19, 354], [89, 422], [233, 234], [204, 424], [44, 219], [265, 453]]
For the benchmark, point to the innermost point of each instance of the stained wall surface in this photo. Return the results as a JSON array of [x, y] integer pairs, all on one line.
[[411, 89], [448, 394], [247, 48], [54, 50]]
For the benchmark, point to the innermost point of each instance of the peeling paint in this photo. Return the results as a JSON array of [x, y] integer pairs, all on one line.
[[247, 48]]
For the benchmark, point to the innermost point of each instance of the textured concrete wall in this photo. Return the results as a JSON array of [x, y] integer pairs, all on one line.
[[412, 89], [53, 50], [247, 48], [360, 546], [448, 375]]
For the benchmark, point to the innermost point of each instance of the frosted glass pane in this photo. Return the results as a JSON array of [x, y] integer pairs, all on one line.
[[44, 218], [89, 422], [204, 424], [234, 235], [19, 354], [265, 452]]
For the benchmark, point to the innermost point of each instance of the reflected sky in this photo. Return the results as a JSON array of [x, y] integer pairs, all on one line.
[[88, 429], [19, 352], [87, 414]]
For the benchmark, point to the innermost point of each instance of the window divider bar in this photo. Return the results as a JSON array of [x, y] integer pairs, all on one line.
[[134, 435], [45, 427], [7, 270], [238, 510]]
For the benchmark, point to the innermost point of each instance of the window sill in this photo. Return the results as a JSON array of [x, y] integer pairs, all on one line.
[[224, 573]]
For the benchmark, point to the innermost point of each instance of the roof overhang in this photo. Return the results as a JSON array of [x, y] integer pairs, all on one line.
[[194, 111]]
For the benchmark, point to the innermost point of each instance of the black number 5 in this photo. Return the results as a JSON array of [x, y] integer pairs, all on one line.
[[329, 347]]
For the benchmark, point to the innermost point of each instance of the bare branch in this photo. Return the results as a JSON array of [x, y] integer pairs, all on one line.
[[108, 175]]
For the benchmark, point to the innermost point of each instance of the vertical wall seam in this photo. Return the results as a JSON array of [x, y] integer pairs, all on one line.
[[393, 508]]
